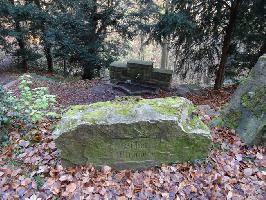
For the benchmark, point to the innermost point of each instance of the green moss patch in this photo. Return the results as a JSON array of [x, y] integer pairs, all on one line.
[[256, 102], [144, 150], [231, 120], [134, 109], [131, 132], [75, 109]]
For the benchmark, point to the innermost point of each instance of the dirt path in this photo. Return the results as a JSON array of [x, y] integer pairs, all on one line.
[[6, 63], [8, 74]]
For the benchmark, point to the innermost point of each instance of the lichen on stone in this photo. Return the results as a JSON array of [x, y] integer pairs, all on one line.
[[255, 102], [132, 132], [172, 106], [231, 119], [75, 109], [134, 109], [92, 117]]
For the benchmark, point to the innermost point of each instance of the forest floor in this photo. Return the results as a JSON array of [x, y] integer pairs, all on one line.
[[7, 71], [30, 167]]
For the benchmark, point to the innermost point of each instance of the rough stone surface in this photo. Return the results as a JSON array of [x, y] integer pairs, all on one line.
[[142, 72], [246, 111], [207, 110], [132, 133], [185, 89]]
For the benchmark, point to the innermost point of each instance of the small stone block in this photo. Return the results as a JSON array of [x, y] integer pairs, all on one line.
[[163, 71], [118, 64], [140, 63]]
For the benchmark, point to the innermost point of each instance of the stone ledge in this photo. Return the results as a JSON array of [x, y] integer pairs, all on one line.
[[141, 72], [163, 71], [118, 64], [140, 62]]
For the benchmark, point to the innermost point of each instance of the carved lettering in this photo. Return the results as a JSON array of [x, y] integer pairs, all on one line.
[[134, 149]]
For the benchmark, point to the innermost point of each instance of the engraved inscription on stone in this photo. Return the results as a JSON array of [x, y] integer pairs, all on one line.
[[135, 149], [121, 152]]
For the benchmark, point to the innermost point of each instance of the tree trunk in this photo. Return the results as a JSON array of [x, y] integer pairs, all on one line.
[[226, 44], [64, 68], [165, 51], [88, 72], [164, 57], [47, 47], [88, 68], [141, 52], [49, 58], [21, 43]]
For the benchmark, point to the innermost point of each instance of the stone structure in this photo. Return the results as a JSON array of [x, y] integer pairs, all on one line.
[[246, 111], [132, 133], [142, 72]]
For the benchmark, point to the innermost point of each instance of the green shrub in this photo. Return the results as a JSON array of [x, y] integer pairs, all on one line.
[[8, 110], [35, 103], [29, 108], [9, 115]]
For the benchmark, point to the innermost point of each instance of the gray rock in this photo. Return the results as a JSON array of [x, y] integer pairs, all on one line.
[[185, 89], [207, 110], [132, 133], [246, 111]]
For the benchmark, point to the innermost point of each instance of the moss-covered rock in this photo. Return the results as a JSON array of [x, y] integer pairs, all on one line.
[[132, 133], [246, 111], [232, 119]]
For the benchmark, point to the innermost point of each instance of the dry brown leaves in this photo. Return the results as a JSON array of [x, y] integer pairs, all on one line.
[[30, 168], [232, 171], [214, 98]]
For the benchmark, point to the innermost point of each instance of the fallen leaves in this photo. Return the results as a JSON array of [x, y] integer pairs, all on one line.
[[106, 169], [248, 172], [30, 168], [71, 188], [232, 171], [214, 98]]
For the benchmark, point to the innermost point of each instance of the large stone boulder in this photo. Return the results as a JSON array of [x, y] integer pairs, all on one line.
[[246, 111], [130, 132]]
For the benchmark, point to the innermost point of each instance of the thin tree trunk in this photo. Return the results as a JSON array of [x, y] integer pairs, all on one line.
[[165, 50], [64, 68], [47, 47], [88, 72], [88, 68], [226, 44], [141, 52], [49, 58], [21, 43], [164, 56]]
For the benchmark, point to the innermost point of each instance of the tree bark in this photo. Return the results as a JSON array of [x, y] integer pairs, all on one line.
[[47, 47], [226, 44], [164, 57], [64, 68], [21, 43], [88, 72], [49, 58], [165, 50], [88, 68], [141, 52]]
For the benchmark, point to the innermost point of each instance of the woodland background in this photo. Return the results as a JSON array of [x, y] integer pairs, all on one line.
[[202, 41]]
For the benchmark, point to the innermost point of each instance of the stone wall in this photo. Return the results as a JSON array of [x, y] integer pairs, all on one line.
[[140, 72]]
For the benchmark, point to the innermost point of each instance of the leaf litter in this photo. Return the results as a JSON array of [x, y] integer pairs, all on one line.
[[30, 168]]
